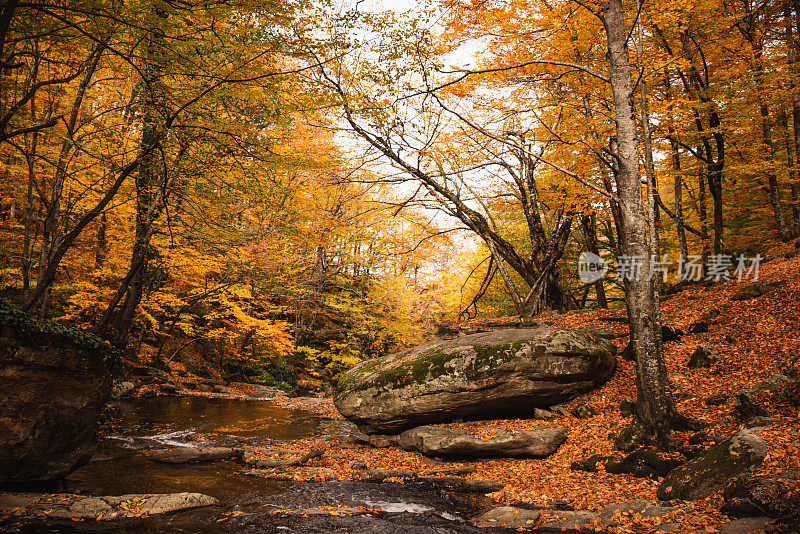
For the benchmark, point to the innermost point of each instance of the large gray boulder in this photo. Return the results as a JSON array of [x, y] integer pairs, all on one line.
[[708, 472], [54, 383], [477, 376], [482, 442]]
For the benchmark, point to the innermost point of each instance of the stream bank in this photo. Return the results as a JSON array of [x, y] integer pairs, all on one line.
[[246, 501]]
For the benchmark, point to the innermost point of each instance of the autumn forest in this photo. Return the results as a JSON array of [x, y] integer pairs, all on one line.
[[223, 194]]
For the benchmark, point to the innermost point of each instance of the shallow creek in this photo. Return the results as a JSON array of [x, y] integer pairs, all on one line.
[[248, 504]]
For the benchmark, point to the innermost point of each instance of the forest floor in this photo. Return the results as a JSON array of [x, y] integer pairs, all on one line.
[[753, 339]]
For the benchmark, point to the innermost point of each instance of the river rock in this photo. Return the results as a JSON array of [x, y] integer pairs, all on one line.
[[319, 474], [80, 507], [183, 455], [483, 375], [379, 475], [483, 442], [264, 458], [641, 507], [510, 517], [54, 383], [708, 472], [259, 391], [566, 522], [583, 411]]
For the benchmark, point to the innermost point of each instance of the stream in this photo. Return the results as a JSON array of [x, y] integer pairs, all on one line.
[[248, 503]]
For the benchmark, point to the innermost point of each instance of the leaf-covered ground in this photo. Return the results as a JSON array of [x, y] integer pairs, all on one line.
[[753, 338]]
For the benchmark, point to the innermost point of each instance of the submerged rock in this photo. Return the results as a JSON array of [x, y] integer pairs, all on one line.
[[484, 375], [265, 457], [183, 455], [69, 506], [482, 442]]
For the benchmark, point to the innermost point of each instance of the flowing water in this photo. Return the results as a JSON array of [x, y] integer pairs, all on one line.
[[247, 502]]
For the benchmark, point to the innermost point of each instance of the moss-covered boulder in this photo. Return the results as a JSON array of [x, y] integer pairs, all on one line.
[[487, 375], [708, 472]]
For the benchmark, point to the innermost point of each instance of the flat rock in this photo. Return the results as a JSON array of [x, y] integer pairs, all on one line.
[[291, 473], [510, 517], [259, 391], [379, 475], [265, 458], [461, 485], [483, 442], [709, 471], [592, 463], [476, 376], [453, 471], [70, 506], [560, 521], [183, 455], [630, 508]]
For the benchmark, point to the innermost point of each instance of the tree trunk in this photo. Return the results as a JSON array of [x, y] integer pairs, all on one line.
[[52, 220], [794, 52], [678, 191], [589, 224], [102, 244], [766, 139], [150, 185], [702, 211], [655, 407]]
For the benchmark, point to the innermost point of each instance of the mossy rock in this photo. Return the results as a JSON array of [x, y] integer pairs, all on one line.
[[708, 472], [478, 376]]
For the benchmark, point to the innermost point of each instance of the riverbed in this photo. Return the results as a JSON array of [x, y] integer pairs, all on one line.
[[247, 503]]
